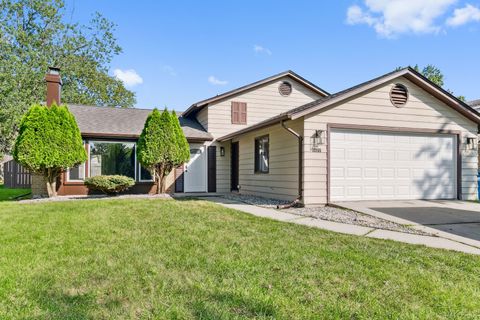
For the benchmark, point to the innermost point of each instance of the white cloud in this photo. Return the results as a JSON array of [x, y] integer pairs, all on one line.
[[390, 18], [260, 49], [170, 70], [129, 77], [464, 15], [355, 15], [216, 81]]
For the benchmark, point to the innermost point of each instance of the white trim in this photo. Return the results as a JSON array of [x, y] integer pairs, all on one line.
[[135, 160], [139, 165], [87, 174], [77, 180], [139, 169], [82, 164]]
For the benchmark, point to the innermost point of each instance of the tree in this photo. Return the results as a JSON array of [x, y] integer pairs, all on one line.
[[48, 143], [435, 75], [432, 73], [183, 148], [156, 146], [36, 34]]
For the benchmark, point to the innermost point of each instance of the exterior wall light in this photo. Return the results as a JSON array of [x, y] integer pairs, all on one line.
[[318, 139], [222, 151], [471, 143]]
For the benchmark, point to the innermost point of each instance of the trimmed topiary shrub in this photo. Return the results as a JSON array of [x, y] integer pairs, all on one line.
[[162, 146], [109, 184], [48, 143]]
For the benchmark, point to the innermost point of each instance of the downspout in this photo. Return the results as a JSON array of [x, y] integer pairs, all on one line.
[[295, 202]]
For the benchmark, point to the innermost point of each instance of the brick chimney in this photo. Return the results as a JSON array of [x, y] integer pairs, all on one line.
[[54, 86]]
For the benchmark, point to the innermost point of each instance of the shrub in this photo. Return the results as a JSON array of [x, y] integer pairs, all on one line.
[[162, 146], [48, 143], [109, 184]]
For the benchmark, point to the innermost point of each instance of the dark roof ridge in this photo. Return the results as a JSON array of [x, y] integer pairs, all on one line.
[[120, 107]]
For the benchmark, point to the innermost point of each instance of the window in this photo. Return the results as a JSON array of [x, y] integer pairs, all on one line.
[[239, 112], [261, 154], [110, 158], [144, 174], [76, 173]]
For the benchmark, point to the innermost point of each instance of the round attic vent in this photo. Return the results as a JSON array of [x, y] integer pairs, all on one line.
[[399, 95], [285, 88]]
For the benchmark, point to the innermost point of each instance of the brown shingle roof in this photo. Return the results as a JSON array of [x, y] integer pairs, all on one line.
[[126, 122]]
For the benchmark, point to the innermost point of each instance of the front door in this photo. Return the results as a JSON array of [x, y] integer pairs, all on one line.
[[234, 167], [196, 170]]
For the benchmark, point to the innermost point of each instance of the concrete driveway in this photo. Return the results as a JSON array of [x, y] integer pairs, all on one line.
[[457, 220]]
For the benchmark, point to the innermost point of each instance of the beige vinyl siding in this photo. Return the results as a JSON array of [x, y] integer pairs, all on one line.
[[374, 108], [262, 103], [223, 168], [282, 180]]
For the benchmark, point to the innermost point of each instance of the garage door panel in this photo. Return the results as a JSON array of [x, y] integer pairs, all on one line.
[[367, 165], [353, 154]]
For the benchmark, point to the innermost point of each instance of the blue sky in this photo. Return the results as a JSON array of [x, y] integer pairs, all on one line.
[[185, 51]]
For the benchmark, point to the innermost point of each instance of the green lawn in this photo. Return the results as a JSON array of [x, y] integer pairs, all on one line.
[[7, 194], [166, 259]]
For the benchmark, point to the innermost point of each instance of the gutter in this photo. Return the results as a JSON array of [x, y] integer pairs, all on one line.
[[295, 202]]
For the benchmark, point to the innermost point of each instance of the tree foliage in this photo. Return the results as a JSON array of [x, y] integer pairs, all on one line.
[[183, 148], [435, 75], [432, 73], [162, 146], [49, 142], [36, 34]]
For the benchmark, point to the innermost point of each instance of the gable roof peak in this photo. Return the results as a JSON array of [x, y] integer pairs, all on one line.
[[410, 74], [199, 105]]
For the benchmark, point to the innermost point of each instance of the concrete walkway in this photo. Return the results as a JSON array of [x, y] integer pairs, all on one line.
[[434, 242]]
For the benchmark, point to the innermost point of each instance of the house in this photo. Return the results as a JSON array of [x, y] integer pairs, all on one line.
[[398, 136], [3, 160], [475, 104]]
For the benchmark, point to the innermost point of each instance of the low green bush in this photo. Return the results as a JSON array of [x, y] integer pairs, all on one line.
[[109, 184]]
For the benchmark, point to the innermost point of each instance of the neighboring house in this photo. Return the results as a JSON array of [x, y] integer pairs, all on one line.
[[398, 136], [6, 158], [475, 104]]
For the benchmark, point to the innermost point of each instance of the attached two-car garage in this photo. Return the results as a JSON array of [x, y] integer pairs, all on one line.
[[384, 165]]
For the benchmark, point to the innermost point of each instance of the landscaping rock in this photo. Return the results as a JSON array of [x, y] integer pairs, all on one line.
[[328, 213]]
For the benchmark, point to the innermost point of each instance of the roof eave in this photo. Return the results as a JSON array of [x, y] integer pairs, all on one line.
[[260, 125], [411, 75], [321, 105], [121, 136], [199, 105]]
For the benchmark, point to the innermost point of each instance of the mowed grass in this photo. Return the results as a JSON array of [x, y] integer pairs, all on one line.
[[7, 194], [167, 259]]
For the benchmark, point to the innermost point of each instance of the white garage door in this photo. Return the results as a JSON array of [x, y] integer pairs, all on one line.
[[370, 165]]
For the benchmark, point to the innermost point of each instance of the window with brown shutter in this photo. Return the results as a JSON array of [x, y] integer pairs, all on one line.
[[239, 112]]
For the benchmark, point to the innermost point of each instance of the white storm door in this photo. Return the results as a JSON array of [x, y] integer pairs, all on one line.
[[373, 165], [196, 169]]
